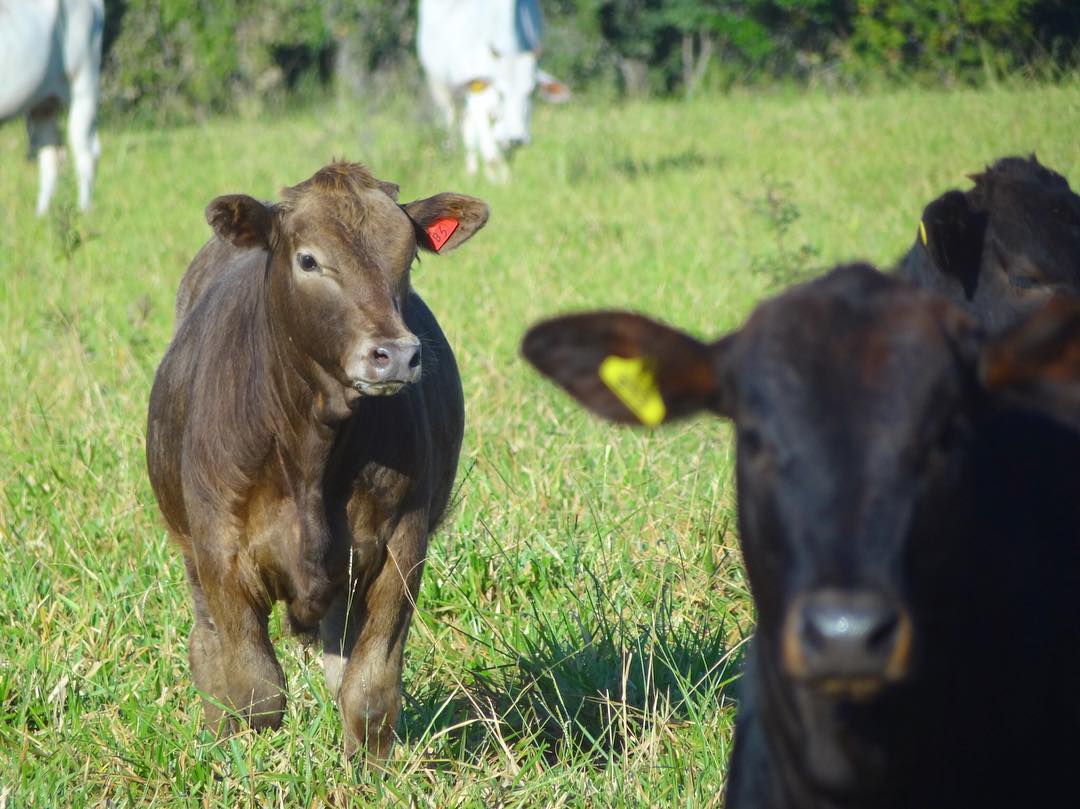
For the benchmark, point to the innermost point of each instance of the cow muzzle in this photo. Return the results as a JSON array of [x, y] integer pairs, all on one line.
[[510, 145], [848, 644], [383, 367]]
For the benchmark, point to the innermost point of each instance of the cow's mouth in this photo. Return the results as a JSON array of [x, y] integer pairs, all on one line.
[[852, 688], [377, 388]]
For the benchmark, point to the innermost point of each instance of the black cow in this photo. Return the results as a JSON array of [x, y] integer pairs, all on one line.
[[911, 533], [1001, 248]]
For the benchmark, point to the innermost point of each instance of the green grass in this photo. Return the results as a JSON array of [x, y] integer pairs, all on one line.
[[583, 612]]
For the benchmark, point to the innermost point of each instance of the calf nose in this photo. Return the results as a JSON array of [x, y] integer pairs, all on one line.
[[395, 360], [843, 638]]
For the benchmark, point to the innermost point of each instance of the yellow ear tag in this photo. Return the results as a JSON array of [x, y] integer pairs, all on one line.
[[922, 232], [478, 85], [634, 382]]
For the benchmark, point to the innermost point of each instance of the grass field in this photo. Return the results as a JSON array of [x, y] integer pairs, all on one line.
[[584, 611]]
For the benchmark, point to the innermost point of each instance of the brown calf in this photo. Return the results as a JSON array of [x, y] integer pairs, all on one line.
[[283, 464]]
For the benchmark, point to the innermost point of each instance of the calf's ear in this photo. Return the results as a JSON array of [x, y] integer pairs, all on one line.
[[445, 221], [241, 220], [625, 367], [952, 231]]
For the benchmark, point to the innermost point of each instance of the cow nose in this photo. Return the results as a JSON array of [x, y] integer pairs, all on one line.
[[843, 639], [395, 360], [511, 145]]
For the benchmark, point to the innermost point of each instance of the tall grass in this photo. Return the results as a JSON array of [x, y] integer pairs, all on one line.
[[584, 610]]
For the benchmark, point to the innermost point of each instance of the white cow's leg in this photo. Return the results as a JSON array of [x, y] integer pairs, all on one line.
[[471, 132], [83, 137], [472, 162], [480, 142], [443, 97], [41, 125], [48, 169]]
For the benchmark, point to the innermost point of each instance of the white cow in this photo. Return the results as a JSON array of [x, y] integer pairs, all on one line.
[[50, 55], [485, 52]]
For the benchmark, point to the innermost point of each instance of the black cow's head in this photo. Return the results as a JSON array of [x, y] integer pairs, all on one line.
[[855, 398], [1003, 247]]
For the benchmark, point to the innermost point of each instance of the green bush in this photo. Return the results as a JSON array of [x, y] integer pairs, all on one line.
[[175, 58], [957, 36]]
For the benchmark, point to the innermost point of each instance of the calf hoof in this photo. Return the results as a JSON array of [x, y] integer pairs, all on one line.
[[263, 711], [259, 714], [259, 703], [215, 718], [369, 718]]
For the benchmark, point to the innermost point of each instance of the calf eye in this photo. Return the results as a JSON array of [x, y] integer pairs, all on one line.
[[307, 262]]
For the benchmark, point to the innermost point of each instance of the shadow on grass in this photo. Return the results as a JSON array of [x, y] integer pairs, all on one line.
[[686, 160], [587, 166], [582, 683]]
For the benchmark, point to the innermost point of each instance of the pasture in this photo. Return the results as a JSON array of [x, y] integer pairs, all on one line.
[[583, 612]]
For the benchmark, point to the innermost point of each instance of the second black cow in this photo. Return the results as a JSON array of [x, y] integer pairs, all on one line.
[[1003, 247], [910, 525]]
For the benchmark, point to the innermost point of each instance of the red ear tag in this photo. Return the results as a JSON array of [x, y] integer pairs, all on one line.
[[439, 231]]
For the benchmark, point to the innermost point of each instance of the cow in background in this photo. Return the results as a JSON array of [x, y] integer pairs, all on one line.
[[1001, 248], [50, 55], [481, 55]]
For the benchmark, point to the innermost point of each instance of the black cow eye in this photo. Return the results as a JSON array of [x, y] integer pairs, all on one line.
[[307, 262], [1025, 281]]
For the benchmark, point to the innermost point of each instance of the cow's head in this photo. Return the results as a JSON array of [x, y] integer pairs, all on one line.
[[513, 82], [855, 400], [1003, 247], [340, 249]]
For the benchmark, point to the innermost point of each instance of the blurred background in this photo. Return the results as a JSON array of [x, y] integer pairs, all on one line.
[[178, 60]]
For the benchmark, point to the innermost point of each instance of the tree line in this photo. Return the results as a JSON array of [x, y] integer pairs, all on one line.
[[177, 59]]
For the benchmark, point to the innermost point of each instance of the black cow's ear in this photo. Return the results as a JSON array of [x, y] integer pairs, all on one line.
[[624, 367], [241, 220], [1037, 362], [445, 221], [952, 231]]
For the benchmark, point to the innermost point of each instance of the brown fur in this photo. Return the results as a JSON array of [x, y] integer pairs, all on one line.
[[282, 467]]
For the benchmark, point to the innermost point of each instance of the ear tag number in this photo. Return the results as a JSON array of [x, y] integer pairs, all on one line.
[[439, 231], [922, 232], [633, 381]]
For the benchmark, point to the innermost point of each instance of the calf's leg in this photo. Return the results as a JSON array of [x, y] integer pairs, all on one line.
[[370, 691], [204, 652], [246, 676]]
